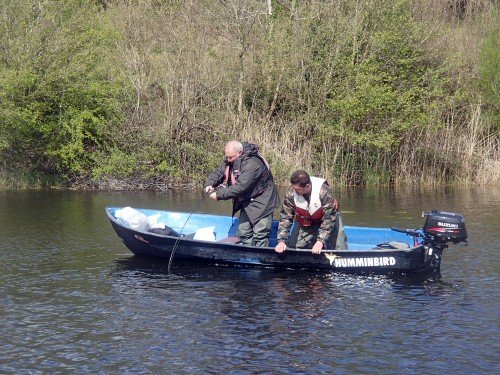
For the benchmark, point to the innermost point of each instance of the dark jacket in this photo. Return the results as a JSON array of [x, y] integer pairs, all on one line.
[[252, 171]]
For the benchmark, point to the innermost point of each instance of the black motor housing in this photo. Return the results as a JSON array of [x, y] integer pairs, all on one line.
[[445, 226]]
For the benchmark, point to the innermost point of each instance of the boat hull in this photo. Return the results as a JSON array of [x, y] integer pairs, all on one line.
[[380, 261]]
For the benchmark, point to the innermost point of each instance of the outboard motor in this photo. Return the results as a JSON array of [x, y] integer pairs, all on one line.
[[440, 229], [443, 227]]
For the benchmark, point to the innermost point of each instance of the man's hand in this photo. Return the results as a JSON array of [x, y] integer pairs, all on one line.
[[336, 204], [318, 246], [213, 195], [280, 247], [209, 189]]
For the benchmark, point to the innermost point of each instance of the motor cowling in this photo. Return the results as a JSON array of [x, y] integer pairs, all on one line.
[[445, 226]]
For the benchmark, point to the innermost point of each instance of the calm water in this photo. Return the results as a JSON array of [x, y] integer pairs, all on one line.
[[74, 300]]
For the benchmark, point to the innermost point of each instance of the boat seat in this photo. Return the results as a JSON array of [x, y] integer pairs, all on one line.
[[230, 239], [393, 245]]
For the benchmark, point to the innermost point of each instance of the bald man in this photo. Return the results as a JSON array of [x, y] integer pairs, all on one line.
[[245, 177]]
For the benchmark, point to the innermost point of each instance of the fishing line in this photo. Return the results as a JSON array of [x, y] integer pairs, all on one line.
[[178, 238]]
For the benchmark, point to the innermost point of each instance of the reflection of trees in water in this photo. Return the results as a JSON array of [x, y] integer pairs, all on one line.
[[303, 297], [270, 308]]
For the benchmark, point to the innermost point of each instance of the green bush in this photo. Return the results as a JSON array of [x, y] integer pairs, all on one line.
[[384, 94], [116, 164], [60, 103]]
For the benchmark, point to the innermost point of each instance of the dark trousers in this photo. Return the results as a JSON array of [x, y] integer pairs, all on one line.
[[256, 234]]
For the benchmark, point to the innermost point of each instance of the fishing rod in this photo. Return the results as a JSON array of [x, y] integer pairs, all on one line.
[[178, 238]]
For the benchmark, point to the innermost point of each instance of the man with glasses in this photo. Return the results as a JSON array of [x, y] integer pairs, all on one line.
[[245, 177]]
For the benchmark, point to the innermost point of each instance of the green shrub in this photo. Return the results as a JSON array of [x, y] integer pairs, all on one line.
[[60, 103], [116, 164]]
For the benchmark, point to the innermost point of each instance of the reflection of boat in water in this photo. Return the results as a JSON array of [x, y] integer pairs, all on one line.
[[212, 240], [155, 272], [154, 269]]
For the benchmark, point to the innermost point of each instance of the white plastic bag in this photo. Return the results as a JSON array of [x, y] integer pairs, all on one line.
[[205, 234], [153, 222], [133, 218]]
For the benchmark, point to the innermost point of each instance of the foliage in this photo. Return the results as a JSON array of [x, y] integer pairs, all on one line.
[[115, 163], [361, 92], [386, 92], [59, 104], [489, 75]]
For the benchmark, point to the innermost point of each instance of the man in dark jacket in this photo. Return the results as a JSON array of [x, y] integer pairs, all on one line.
[[245, 178]]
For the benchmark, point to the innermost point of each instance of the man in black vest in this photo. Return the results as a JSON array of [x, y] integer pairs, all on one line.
[[245, 178]]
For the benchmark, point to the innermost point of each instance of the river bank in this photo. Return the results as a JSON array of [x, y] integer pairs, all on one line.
[[31, 181], [165, 184], [37, 182]]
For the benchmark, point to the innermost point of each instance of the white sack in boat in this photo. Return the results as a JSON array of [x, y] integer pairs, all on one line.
[[153, 222], [133, 218], [205, 234]]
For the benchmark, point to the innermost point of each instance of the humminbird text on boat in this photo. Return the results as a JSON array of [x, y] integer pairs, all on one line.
[[364, 262]]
